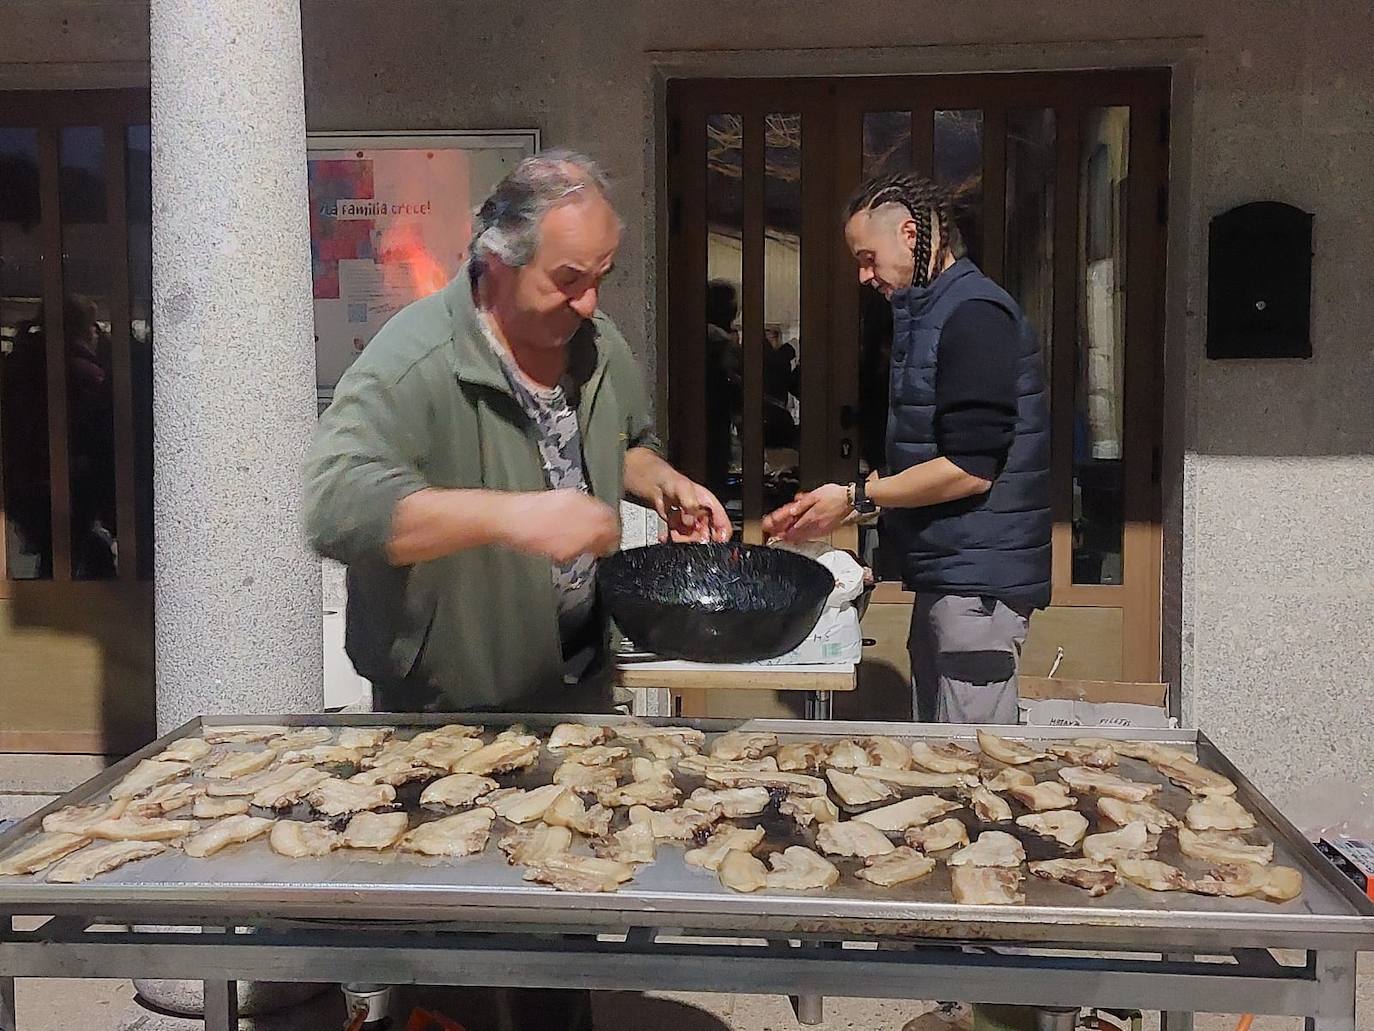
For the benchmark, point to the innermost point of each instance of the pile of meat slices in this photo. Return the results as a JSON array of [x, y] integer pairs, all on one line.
[[885, 811]]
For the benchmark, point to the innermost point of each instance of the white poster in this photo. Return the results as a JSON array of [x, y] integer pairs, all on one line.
[[390, 224]]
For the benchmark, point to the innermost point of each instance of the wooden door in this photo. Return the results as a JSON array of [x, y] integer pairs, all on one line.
[[76, 620], [1061, 184]]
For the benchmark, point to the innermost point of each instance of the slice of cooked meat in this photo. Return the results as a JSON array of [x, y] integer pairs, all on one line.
[[242, 764], [535, 844], [302, 737], [517, 805], [148, 774], [1066, 826], [1196, 778], [232, 830], [922, 779], [888, 753], [289, 791], [456, 730], [502, 755], [1082, 778], [1223, 848], [802, 755], [986, 886], [251, 784], [298, 840], [333, 755], [910, 812], [793, 783], [701, 765], [649, 771], [365, 739], [796, 868], [1101, 757], [655, 794], [732, 802], [1232, 880], [938, 837], [943, 758], [1007, 778], [244, 735], [335, 797], [848, 755], [1005, 750], [446, 753], [1282, 885], [741, 871], [1218, 813], [580, 873], [993, 848], [40, 851], [186, 750], [853, 790], [638, 732], [375, 830], [809, 809], [576, 735], [1130, 842], [463, 834], [632, 844], [402, 771], [167, 798], [77, 819], [1095, 878], [1155, 819], [598, 755], [1153, 875], [101, 859], [743, 744], [1149, 751], [586, 780], [456, 789], [1043, 797], [567, 810], [988, 807], [851, 838], [668, 747], [900, 866], [210, 808], [675, 824], [723, 840], [141, 828]]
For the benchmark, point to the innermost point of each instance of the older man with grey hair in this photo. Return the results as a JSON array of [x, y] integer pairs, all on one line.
[[470, 468]]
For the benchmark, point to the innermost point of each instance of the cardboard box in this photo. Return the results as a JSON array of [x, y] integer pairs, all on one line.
[[1056, 702]]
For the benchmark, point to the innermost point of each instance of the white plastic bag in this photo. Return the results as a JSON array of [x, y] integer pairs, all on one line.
[[849, 575]]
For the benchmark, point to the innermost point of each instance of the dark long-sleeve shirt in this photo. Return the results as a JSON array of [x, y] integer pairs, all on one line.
[[975, 388]]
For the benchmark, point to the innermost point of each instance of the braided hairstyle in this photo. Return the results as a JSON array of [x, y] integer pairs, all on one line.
[[926, 201]]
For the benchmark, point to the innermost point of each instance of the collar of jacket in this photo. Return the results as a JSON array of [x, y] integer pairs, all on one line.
[[473, 360], [917, 300]]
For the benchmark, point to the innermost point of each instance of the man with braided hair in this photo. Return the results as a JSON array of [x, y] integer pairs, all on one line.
[[966, 499]]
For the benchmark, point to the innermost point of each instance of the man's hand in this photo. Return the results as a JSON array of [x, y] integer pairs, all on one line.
[[560, 525], [692, 512], [810, 515]]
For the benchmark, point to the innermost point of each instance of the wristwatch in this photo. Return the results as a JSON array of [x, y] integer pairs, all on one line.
[[859, 500]]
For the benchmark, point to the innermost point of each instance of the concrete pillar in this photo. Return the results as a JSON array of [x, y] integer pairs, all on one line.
[[237, 590]]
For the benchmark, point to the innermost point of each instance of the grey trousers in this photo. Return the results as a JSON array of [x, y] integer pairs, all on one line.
[[965, 652]]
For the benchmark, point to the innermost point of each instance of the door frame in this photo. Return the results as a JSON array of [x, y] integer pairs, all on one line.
[[1069, 93]]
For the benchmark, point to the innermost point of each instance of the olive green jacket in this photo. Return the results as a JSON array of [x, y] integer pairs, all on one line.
[[427, 404]]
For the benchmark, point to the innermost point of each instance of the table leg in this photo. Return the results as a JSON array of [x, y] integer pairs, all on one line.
[[1173, 1020], [1335, 992], [9, 1021], [810, 1009], [221, 1005], [818, 705]]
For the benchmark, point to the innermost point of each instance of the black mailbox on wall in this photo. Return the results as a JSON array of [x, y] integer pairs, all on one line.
[[1259, 282]]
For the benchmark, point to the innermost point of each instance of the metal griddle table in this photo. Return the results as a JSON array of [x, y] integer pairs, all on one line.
[[248, 914]]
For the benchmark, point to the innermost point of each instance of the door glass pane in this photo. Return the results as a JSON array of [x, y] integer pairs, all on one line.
[[959, 169], [138, 205], [24, 475], [724, 273], [1100, 366], [1030, 219], [887, 143], [782, 350], [86, 277]]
